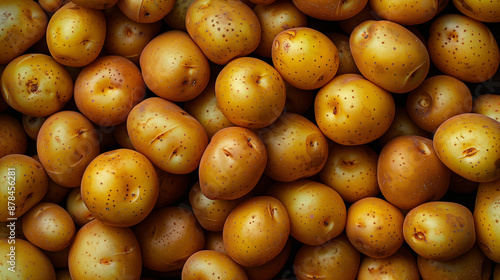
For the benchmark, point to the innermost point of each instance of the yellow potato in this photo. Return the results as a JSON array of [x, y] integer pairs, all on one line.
[[486, 217]]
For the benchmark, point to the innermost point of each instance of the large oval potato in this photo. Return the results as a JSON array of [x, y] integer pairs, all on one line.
[[23, 24], [295, 146], [389, 55], [174, 67], [224, 29], [67, 142], [36, 85], [232, 163], [172, 139], [120, 187], [468, 145], [75, 35]]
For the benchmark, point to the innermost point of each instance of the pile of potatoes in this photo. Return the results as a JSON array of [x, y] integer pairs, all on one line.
[[252, 139]]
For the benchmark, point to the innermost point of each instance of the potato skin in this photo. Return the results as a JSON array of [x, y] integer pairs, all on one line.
[[486, 217], [232, 163], [23, 25], [439, 230], [304, 154], [212, 265], [330, 10], [172, 139]]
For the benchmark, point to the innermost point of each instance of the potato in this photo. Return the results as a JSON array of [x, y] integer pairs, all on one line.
[[330, 10], [36, 85], [126, 37], [274, 18], [75, 35], [168, 237], [211, 213], [296, 148], [409, 172], [232, 163], [172, 187], [256, 231], [351, 171], [335, 259], [23, 24], [400, 265], [13, 138], [485, 12], [439, 230], [77, 209], [24, 182], [55, 192], [24, 260], [351, 110], [464, 48], [120, 187], [209, 264], [48, 226], [389, 55], [486, 219], [172, 139], [468, 145], [67, 142], [32, 125], [111, 252], [349, 24], [473, 264], [305, 57], [407, 12], [176, 18], [223, 29], [174, 67], [375, 227], [346, 61], [59, 258], [145, 11], [107, 89], [270, 269], [204, 108], [317, 212], [488, 105], [250, 92], [214, 241], [402, 125], [298, 100], [96, 4], [51, 6], [437, 99]]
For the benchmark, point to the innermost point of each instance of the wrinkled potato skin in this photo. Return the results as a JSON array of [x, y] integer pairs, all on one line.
[[30, 261], [468, 145], [75, 35], [304, 155], [389, 55], [439, 230], [232, 163], [36, 85], [172, 139], [30, 182], [486, 217], [67, 142], [168, 237], [23, 23], [212, 265], [112, 252], [317, 212]]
